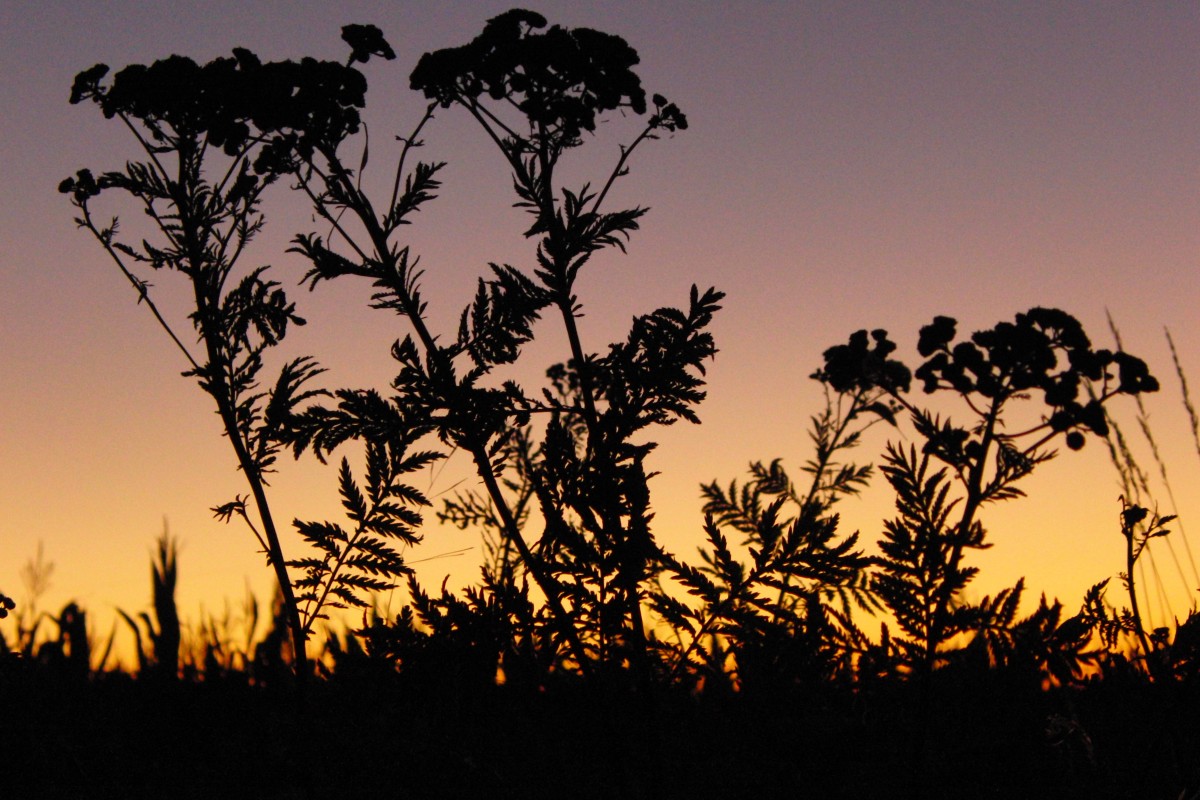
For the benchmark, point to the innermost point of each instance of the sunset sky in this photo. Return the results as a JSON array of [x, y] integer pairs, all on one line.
[[848, 165]]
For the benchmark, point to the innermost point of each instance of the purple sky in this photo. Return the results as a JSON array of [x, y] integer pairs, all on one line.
[[848, 165]]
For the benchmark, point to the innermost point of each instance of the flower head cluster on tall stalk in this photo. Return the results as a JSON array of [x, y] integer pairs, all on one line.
[[1043, 354], [213, 138], [595, 554]]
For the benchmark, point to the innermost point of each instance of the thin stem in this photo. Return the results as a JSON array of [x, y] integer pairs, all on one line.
[[208, 303], [478, 111], [543, 579], [254, 478], [274, 548], [241, 511], [319, 205], [616, 173], [824, 457], [242, 237], [139, 285], [714, 614], [945, 591], [150, 150], [409, 143], [1127, 529], [410, 308], [238, 158], [313, 607]]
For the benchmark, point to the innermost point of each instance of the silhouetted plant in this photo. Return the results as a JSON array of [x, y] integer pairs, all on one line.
[[362, 560], [1127, 630], [1136, 489], [787, 615], [574, 584], [1183, 655], [447, 644], [1138, 527], [469, 510], [1115, 624], [35, 578], [1042, 650], [590, 484], [70, 653], [941, 489], [221, 647], [214, 137], [165, 637], [595, 559]]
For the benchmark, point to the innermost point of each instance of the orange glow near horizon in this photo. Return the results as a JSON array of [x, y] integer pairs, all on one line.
[[856, 166]]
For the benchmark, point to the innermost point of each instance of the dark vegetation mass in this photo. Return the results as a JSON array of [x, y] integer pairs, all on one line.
[[784, 660]]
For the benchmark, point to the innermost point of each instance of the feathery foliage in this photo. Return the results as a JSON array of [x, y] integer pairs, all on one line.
[[787, 614], [941, 490], [214, 137], [594, 562], [576, 593]]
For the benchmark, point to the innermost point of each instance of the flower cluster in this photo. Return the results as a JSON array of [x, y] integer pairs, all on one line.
[[561, 79], [667, 115], [293, 107], [1043, 349], [366, 41], [857, 367], [83, 186]]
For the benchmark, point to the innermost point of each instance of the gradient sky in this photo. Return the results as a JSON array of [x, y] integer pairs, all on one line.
[[848, 165]]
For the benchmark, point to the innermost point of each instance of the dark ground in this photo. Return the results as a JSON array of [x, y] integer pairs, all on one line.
[[113, 736]]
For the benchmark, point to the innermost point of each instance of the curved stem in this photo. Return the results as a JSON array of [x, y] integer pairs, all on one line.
[[319, 205]]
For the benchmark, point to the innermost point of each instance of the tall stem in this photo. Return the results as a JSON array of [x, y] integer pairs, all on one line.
[[596, 447], [561, 255], [274, 548], [1127, 528], [944, 593], [411, 309], [220, 386]]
